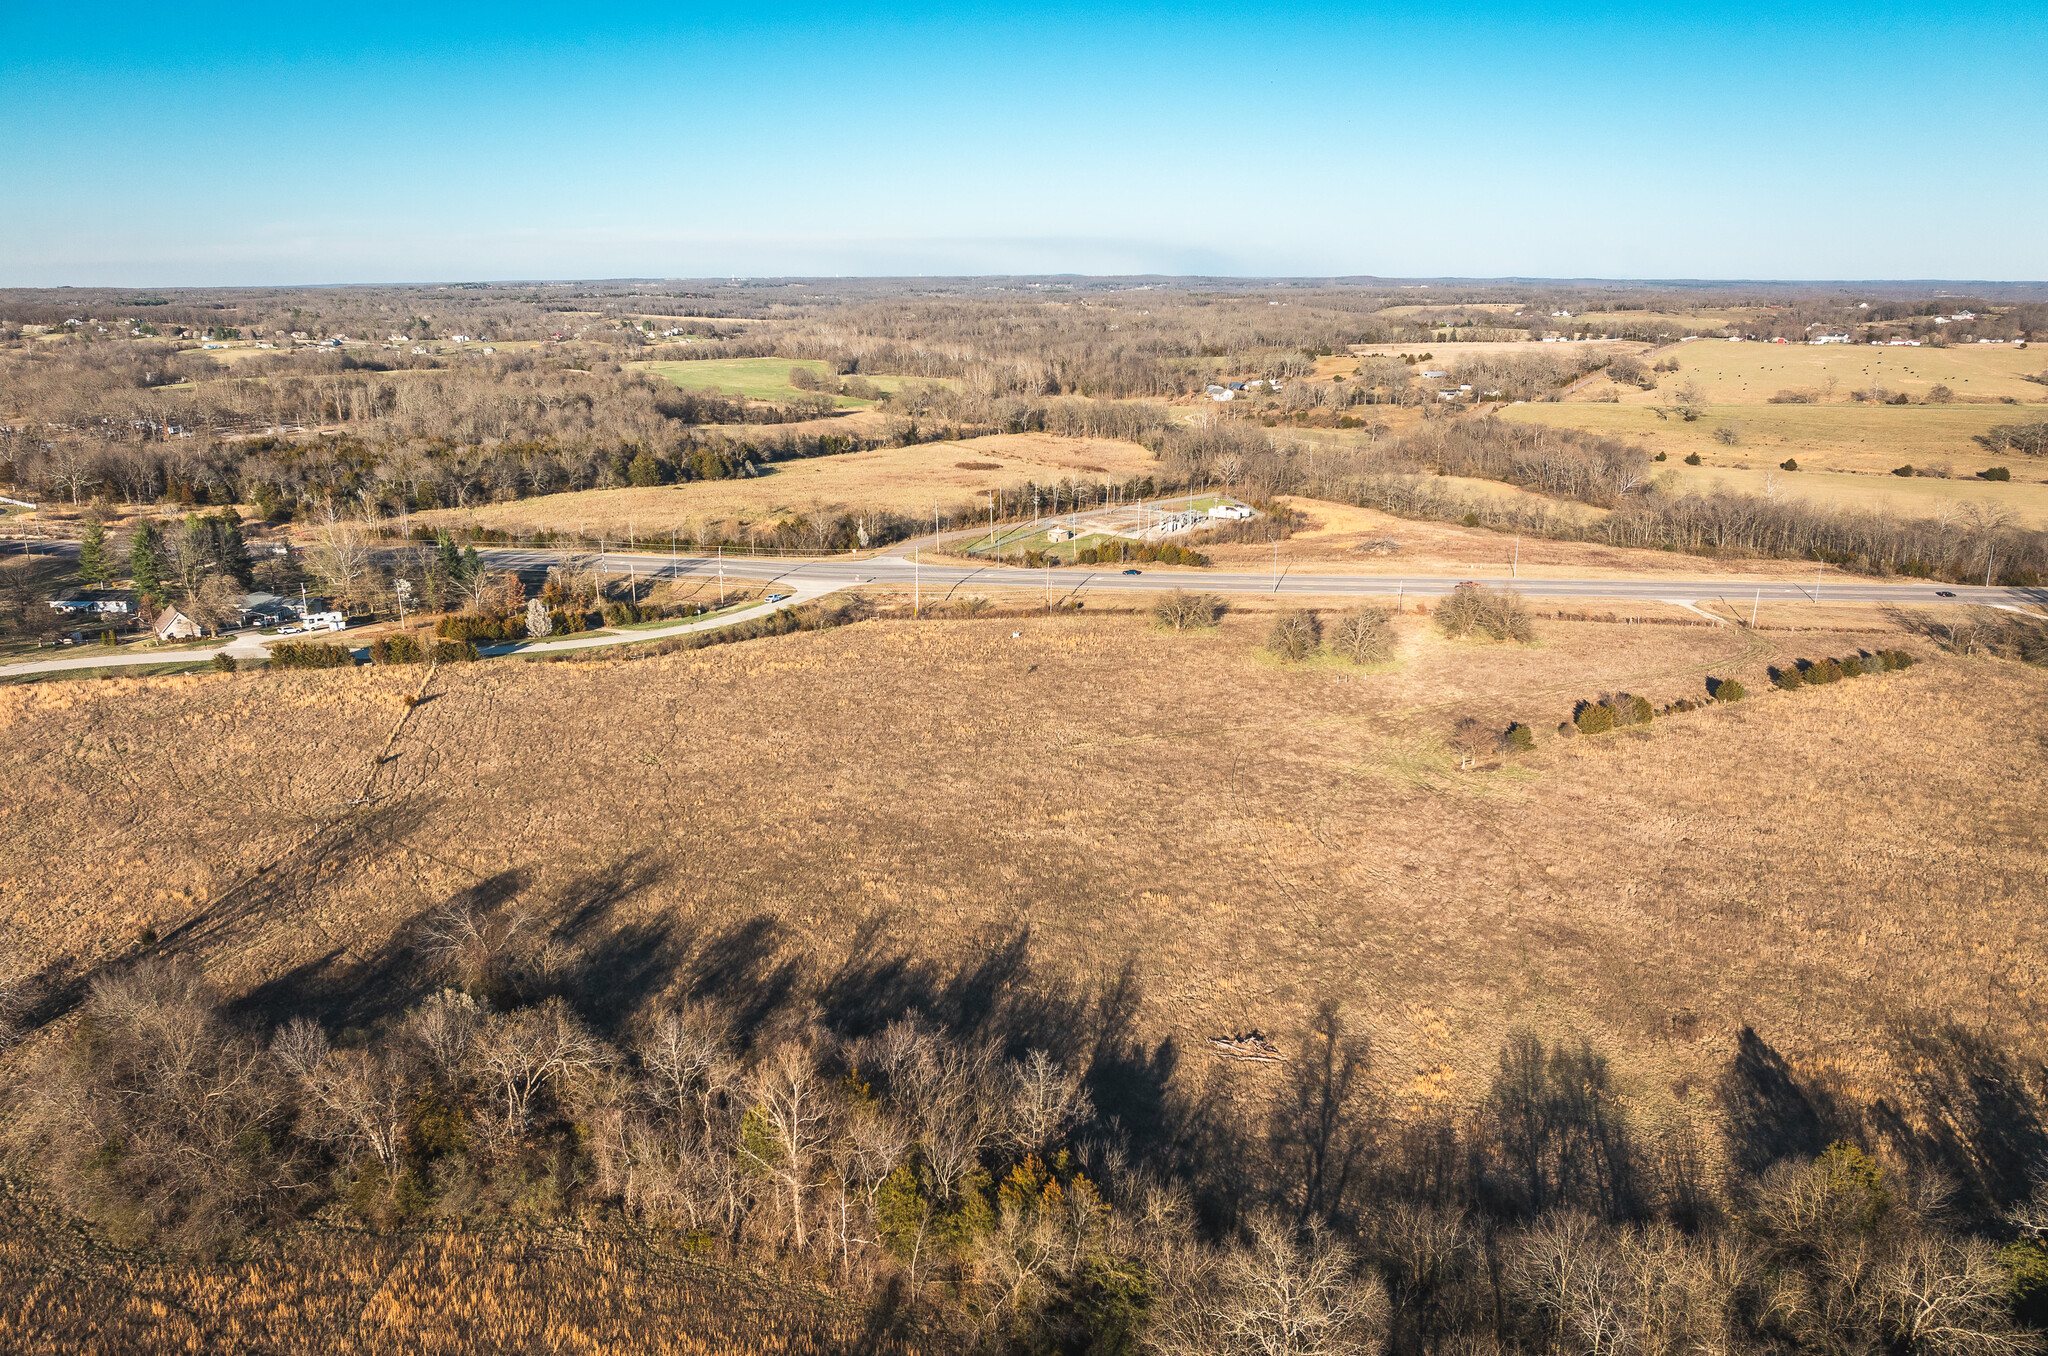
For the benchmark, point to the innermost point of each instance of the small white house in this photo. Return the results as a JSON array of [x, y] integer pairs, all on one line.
[[1233, 511], [175, 625], [1058, 534]]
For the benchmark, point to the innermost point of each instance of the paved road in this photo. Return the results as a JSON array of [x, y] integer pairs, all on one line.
[[804, 580], [897, 569], [250, 646]]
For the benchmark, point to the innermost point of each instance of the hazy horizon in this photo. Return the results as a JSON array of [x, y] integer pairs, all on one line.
[[269, 147]]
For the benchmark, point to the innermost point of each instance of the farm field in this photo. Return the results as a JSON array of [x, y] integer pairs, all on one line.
[[755, 378], [896, 479], [1452, 352], [1863, 439], [1316, 842], [1750, 373], [1344, 539]]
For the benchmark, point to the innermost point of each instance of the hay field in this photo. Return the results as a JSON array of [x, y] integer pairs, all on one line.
[[1453, 352], [852, 817], [1841, 437], [899, 479], [755, 378], [1751, 372]]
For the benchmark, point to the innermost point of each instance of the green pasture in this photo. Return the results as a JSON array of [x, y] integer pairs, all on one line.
[[754, 378]]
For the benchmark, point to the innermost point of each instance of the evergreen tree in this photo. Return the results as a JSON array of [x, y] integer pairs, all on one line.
[[143, 552], [226, 547], [95, 565], [449, 558]]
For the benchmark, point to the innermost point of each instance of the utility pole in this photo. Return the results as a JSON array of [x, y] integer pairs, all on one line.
[[1816, 580], [1754, 604], [1276, 564], [1991, 554], [721, 574], [1515, 570]]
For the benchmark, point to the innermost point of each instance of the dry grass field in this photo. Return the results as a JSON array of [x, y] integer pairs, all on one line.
[[1458, 351], [841, 822], [1342, 539], [1861, 443], [755, 378], [899, 479], [1865, 438], [584, 1291], [1750, 373]]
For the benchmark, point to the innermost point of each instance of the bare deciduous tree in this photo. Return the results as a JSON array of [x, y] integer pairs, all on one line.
[[1182, 611]]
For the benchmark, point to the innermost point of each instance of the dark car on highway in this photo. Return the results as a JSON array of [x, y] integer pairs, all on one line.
[[1134, 572]]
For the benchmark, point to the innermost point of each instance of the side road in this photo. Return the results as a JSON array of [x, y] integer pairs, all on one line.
[[257, 647]]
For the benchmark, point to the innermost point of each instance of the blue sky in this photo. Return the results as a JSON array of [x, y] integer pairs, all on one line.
[[227, 143]]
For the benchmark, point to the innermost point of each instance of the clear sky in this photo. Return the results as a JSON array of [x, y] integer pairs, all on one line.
[[313, 141]]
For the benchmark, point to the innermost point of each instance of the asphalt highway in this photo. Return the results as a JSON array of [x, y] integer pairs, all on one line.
[[898, 569]]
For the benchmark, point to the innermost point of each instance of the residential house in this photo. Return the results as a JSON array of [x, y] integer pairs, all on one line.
[[175, 625]]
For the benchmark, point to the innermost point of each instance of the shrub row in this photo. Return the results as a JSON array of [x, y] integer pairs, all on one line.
[[405, 649], [1818, 672], [1162, 553], [306, 654], [1618, 710], [475, 626]]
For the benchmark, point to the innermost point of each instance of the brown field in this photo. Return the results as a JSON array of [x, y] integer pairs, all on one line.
[[800, 816], [1336, 537], [1751, 372], [1452, 352], [524, 1288], [1835, 434], [900, 479], [1846, 453]]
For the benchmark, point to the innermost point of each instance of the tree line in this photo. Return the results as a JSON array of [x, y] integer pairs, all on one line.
[[1005, 1160]]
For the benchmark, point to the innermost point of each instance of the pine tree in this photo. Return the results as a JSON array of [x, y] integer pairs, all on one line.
[[95, 566], [142, 563], [229, 548]]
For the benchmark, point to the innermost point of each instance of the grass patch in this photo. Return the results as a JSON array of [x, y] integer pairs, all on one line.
[[755, 378]]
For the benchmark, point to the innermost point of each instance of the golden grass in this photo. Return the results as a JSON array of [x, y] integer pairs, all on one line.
[[588, 1290], [902, 479], [1861, 444], [1336, 537], [1253, 838], [1750, 373]]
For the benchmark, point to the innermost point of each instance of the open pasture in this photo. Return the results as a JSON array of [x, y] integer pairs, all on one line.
[[755, 378], [1866, 440], [903, 480], [1345, 539], [1751, 373], [824, 820]]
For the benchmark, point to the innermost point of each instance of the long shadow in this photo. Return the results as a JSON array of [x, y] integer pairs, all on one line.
[[343, 991], [1771, 1114], [737, 969], [1978, 1122]]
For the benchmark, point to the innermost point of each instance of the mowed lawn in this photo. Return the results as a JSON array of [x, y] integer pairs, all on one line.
[[755, 378]]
